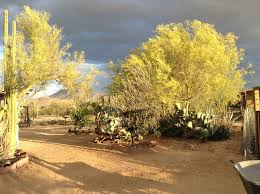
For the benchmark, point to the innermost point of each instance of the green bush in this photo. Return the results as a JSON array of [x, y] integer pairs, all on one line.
[[220, 131], [81, 115]]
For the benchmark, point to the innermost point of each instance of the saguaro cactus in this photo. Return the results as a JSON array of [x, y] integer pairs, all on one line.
[[9, 113]]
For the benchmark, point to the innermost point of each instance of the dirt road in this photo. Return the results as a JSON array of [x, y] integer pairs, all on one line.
[[61, 163]]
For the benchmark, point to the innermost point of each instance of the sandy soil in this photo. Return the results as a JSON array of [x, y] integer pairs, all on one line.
[[63, 163]]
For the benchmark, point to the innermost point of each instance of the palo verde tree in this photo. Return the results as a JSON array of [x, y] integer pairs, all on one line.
[[82, 92], [32, 56], [190, 64]]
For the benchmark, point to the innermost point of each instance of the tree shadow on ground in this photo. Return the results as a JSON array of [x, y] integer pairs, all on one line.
[[87, 178], [83, 177], [58, 135]]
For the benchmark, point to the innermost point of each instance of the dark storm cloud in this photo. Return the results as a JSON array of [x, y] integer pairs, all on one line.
[[108, 29]]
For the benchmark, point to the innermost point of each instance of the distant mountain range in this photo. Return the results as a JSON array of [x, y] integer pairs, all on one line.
[[62, 94]]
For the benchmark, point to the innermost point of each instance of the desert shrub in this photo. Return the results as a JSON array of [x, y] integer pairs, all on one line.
[[81, 115], [57, 108], [49, 122], [54, 107], [220, 131]]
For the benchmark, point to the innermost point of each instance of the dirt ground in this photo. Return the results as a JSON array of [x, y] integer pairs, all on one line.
[[63, 163]]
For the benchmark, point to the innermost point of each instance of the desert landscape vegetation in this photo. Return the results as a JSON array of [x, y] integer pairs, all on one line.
[[169, 120]]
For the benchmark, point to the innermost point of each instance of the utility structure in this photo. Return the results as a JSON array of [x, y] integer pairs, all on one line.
[[251, 126], [9, 108]]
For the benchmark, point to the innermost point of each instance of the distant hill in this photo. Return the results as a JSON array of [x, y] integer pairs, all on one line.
[[62, 94]]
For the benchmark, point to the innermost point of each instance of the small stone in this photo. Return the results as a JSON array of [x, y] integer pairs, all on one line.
[[96, 140], [7, 163], [153, 143]]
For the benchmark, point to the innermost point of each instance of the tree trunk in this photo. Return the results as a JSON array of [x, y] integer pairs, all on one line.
[[132, 140], [187, 107]]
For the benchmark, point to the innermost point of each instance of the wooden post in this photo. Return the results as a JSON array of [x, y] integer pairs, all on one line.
[[27, 117], [37, 111], [257, 117]]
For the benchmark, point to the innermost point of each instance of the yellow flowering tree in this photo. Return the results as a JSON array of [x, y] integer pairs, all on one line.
[[32, 56], [190, 64]]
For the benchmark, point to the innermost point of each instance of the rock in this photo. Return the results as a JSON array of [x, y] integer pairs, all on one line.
[[13, 163], [7, 163], [153, 143], [21, 162]]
